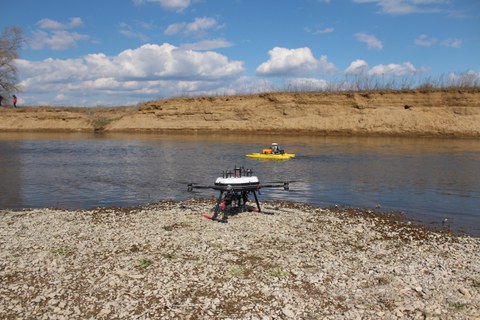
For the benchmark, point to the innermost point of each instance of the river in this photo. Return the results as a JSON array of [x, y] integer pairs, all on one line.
[[433, 181]]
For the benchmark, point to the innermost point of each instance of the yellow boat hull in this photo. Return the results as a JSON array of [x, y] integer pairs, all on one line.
[[283, 156]]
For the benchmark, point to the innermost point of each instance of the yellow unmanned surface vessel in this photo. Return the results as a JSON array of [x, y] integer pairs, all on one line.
[[274, 153]]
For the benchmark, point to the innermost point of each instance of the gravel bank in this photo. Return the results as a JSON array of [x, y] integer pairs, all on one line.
[[165, 261]]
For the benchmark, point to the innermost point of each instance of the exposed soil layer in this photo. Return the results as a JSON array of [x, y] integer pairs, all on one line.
[[450, 113]]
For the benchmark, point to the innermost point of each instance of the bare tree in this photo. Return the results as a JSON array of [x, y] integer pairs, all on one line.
[[11, 40]]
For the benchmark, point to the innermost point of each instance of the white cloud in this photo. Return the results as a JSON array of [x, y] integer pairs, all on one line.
[[54, 35], [370, 40], [399, 7], [175, 5], [306, 84], [50, 24], [320, 31], [56, 40], [357, 67], [56, 25], [393, 69], [323, 31], [174, 28], [145, 73], [76, 22], [129, 32], [207, 44], [452, 43], [169, 62], [134, 35], [196, 28], [294, 62], [425, 41], [360, 67]]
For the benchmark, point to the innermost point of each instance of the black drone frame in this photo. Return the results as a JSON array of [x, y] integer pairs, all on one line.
[[233, 198]]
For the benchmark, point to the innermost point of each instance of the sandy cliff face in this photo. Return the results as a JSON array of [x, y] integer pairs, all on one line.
[[43, 118], [415, 113]]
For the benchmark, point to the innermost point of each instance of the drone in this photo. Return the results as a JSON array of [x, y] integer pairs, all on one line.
[[235, 188]]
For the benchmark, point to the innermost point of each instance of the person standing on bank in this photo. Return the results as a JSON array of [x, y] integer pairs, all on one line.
[[14, 101], [1, 98]]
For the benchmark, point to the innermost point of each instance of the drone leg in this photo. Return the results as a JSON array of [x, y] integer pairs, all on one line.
[[244, 199], [217, 207], [256, 200]]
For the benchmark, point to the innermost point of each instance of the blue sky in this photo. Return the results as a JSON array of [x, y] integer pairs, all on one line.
[[123, 52]]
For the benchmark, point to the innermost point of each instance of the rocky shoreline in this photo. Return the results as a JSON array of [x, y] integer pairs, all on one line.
[[163, 261]]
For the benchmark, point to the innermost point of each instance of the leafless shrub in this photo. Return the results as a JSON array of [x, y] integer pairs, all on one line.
[[357, 83], [11, 40]]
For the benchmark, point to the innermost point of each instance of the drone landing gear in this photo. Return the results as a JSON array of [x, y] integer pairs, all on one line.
[[231, 203]]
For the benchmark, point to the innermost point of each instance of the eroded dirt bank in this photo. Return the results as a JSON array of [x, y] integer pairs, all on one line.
[[454, 113]]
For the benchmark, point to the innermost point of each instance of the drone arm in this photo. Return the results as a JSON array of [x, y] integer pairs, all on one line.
[[192, 186], [284, 185]]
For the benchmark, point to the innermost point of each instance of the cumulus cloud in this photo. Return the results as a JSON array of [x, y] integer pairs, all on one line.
[[360, 67], [133, 35], [394, 69], [146, 72], [56, 25], [425, 41], [54, 35], [320, 31], [307, 84], [452, 43], [175, 5], [294, 62], [169, 62], [130, 31], [57, 40], [195, 28], [357, 67], [207, 44], [323, 31], [370, 40], [400, 7]]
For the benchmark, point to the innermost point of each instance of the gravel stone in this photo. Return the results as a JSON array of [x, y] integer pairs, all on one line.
[[164, 261]]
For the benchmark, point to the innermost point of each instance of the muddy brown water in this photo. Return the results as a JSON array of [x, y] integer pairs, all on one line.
[[433, 181]]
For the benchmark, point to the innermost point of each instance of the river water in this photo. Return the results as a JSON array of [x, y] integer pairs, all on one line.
[[434, 181]]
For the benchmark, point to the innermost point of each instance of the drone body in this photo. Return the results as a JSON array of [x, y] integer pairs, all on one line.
[[239, 179], [235, 188]]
